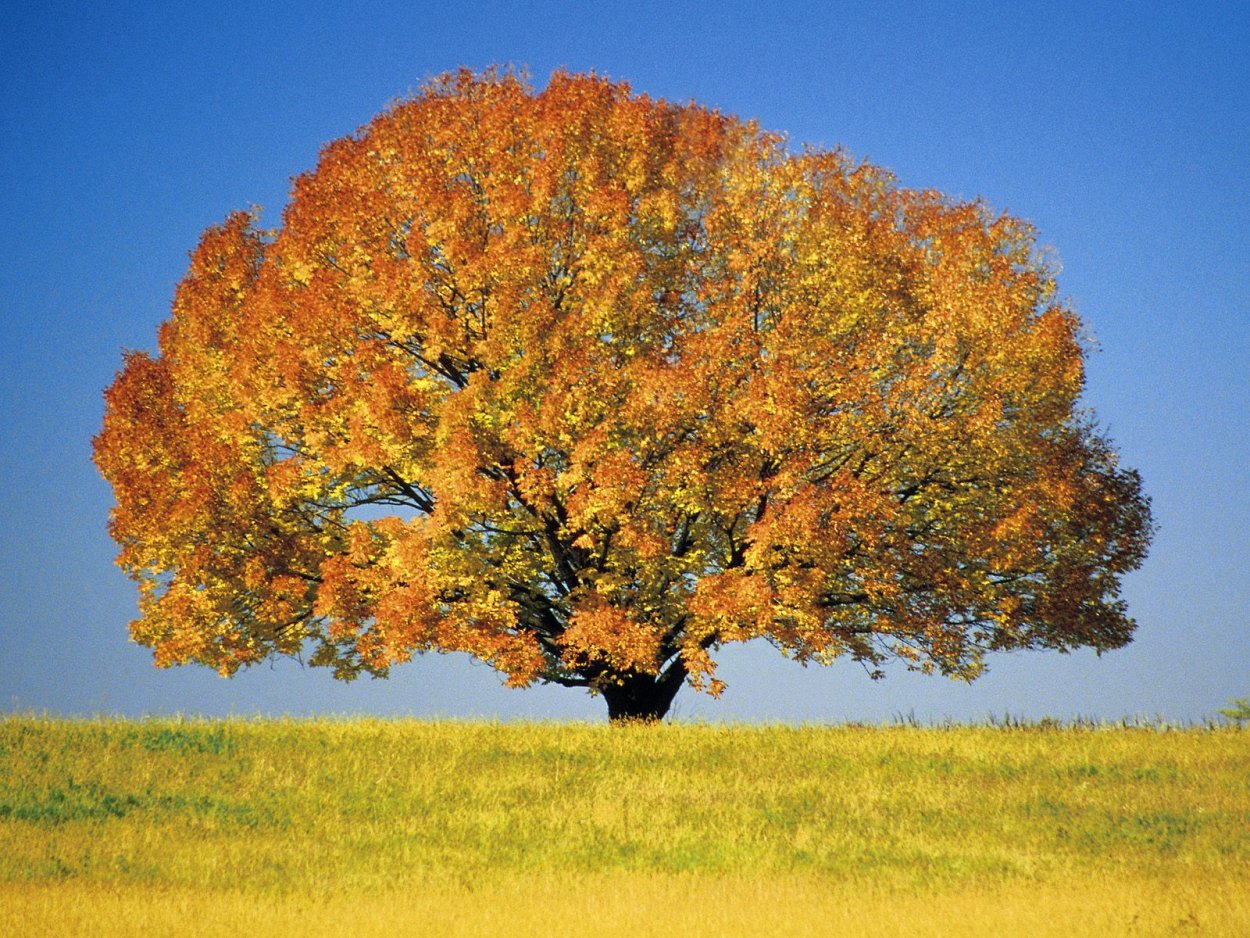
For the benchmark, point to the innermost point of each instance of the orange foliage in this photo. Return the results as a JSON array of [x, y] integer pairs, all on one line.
[[588, 384]]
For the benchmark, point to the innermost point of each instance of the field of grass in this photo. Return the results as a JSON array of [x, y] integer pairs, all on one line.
[[407, 828]]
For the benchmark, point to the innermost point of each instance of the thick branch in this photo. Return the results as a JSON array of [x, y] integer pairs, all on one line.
[[423, 500]]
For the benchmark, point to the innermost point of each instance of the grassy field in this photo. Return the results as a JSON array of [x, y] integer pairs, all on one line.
[[407, 828]]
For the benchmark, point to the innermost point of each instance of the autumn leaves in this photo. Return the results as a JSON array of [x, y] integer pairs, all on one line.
[[586, 384]]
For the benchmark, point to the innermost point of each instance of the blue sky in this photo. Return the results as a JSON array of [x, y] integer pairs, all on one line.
[[1120, 130]]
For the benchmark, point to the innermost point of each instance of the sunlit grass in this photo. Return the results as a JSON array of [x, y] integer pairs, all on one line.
[[114, 828]]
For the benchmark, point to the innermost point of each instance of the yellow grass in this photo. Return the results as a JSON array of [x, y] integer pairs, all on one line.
[[639, 904], [398, 828]]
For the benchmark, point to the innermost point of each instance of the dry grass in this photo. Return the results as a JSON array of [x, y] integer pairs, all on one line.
[[279, 827], [639, 904]]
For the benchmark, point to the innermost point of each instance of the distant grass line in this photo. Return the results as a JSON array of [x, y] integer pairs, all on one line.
[[383, 823]]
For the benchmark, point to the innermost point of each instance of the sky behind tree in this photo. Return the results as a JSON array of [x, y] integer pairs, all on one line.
[[1119, 131]]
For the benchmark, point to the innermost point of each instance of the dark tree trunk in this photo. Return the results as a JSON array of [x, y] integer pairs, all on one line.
[[643, 698]]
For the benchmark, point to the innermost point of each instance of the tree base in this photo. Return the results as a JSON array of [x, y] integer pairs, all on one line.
[[643, 698]]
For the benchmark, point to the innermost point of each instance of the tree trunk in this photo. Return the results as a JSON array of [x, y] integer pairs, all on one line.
[[643, 698]]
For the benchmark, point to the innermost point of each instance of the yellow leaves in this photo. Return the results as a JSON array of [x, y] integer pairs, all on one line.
[[301, 272], [584, 383]]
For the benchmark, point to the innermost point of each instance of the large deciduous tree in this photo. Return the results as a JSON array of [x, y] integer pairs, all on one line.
[[587, 385]]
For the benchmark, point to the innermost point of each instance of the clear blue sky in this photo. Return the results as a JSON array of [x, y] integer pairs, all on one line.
[[1121, 130]]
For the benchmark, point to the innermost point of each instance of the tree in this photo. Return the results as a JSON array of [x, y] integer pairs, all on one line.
[[587, 385], [1237, 711]]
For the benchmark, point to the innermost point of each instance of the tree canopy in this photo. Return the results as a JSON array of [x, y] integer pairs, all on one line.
[[588, 384]]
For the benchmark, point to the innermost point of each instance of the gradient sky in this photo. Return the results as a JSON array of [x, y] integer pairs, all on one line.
[[1122, 131]]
